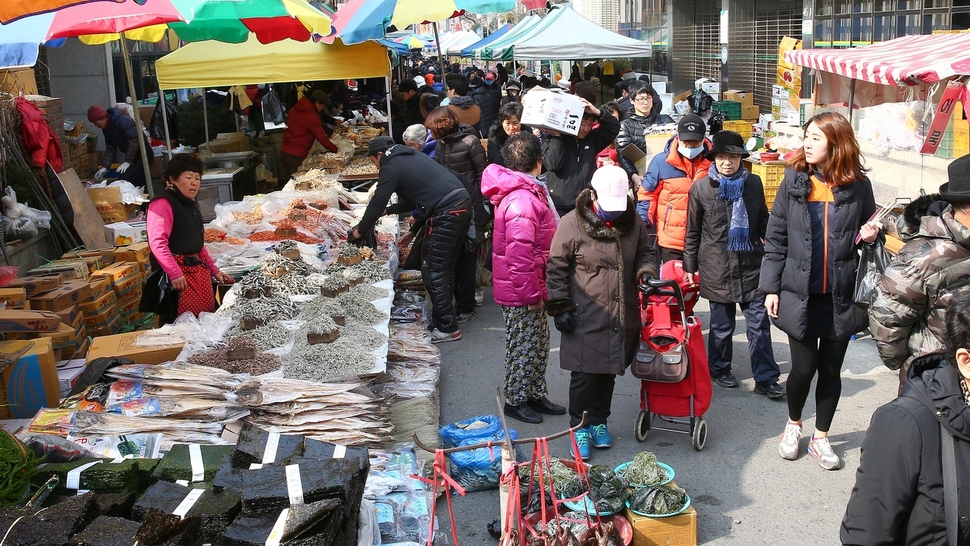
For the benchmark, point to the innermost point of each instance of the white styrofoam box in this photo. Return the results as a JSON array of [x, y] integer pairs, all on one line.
[[668, 101], [552, 110]]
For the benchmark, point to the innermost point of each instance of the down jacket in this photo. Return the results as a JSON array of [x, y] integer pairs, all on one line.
[[524, 226], [593, 270], [726, 277], [631, 132], [38, 137], [462, 152], [907, 318], [303, 126], [787, 264], [666, 186], [898, 493]]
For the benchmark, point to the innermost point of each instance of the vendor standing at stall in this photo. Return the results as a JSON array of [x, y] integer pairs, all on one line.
[[303, 126], [439, 196], [175, 237], [120, 135]]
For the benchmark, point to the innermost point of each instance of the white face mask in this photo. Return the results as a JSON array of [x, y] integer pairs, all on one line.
[[689, 153]]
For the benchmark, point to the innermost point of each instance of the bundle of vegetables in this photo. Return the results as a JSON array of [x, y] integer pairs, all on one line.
[[658, 499], [644, 470], [605, 488]]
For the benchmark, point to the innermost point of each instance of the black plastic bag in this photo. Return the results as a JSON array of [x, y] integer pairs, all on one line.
[[158, 296], [873, 260], [156, 127], [700, 102], [715, 123], [273, 111]]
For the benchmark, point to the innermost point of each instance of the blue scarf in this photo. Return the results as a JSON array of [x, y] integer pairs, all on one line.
[[732, 189]]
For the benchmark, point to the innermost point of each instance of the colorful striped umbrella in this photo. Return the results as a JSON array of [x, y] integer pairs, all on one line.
[[11, 10], [232, 21], [98, 22], [412, 41]]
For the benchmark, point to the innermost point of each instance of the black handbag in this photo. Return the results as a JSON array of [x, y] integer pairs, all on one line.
[[158, 296]]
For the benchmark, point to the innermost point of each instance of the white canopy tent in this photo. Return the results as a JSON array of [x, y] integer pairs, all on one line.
[[571, 36], [454, 48]]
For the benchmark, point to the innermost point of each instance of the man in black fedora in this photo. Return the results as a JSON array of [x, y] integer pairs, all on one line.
[[907, 317]]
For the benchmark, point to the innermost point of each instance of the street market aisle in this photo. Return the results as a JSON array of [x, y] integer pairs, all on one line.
[[744, 493]]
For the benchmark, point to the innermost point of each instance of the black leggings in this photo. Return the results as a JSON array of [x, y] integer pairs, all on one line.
[[809, 356]]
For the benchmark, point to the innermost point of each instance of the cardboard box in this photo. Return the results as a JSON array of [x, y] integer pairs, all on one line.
[[679, 530], [124, 233], [31, 383], [108, 202], [124, 345], [68, 314], [111, 328], [67, 269], [137, 252], [130, 305], [750, 112], [16, 320], [552, 110], [127, 285], [105, 257], [66, 295], [76, 128], [99, 287], [104, 302], [118, 272], [746, 98], [132, 295], [15, 298], [18, 81], [63, 336], [32, 285], [68, 372], [94, 321], [637, 156]]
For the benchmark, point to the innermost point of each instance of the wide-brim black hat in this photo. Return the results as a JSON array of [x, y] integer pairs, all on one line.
[[957, 187], [727, 142]]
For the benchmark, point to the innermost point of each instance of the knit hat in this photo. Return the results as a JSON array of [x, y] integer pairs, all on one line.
[[96, 113], [691, 127]]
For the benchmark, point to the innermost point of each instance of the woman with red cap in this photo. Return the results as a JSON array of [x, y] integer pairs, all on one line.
[[120, 137]]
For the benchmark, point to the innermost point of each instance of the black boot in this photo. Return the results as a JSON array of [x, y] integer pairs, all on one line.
[[523, 413], [543, 405]]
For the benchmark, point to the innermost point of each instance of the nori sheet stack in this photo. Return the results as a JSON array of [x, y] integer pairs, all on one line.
[[107, 531], [216, 510], [316, 524], [252, 444], [161, 529], [115, 504], [315, 449], [228, 477], [177, 465], [49, 526], [107, 477]]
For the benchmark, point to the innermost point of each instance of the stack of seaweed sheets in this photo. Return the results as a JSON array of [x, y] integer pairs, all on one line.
[[270, 488]]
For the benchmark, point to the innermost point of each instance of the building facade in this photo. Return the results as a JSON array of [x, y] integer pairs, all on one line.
[[605, 13]]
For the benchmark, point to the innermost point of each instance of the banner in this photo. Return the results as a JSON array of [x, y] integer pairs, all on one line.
[[944, 111]]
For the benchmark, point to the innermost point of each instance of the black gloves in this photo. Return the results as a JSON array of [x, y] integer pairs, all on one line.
[[350, 235], [565, 322]]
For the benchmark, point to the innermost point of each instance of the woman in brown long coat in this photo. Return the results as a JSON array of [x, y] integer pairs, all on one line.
[[600, 251]]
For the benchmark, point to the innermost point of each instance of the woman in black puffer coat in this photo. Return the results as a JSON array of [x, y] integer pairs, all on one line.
[[509, 116], [460, 150]]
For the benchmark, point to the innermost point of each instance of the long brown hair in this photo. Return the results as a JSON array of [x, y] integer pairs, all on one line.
[[844, 164], [442, 122]]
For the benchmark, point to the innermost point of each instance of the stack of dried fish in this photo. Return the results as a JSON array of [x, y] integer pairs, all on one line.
[[89, 423], [341, 413], [186, 391]]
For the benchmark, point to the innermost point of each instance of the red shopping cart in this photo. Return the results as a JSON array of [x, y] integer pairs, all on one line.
[[671, 361]]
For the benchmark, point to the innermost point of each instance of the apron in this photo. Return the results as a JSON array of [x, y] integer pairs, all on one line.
[[198, 296]]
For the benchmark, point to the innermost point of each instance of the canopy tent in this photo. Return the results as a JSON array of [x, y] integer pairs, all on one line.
[[445, 41], [558, 40], [217, 64], [496, 50], [867, 75], [455, 47], [466, 51]]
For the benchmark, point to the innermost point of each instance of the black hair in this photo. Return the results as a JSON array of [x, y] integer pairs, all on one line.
[[522, 152], [958, 323], [407, 85], [614, 106], [181, 163], [510, 109], [458, 83]]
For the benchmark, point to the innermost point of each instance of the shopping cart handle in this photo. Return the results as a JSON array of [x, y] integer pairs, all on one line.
[[653, 286]]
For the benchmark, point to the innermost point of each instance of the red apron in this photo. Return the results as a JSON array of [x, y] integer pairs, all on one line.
[[198, 296]]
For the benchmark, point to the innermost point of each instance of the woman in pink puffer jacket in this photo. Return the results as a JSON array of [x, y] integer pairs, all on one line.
[[525, 222]]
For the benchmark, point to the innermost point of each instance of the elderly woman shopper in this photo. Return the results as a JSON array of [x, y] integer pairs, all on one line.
[[524, 224], [508, 125], [599, 253], [418, 137], [175, 237], [901, 494]]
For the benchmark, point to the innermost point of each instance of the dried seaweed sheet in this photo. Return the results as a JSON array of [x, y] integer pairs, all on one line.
[[315, 523], [104, 477], [107, 531], [115, 504], [48, 526], [251, 447], [216, 510], [315, 449], [177, 464], [161, 529]]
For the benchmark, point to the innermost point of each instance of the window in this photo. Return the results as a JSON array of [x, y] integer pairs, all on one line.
[[883, 28], [885, 5], [909, 24], [861, 30]]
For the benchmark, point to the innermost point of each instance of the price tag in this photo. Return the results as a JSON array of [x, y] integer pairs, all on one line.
[[188, 502], [272, 444], [74, 476], [195, 458], [294, 484], [276, 534], [339, 452]]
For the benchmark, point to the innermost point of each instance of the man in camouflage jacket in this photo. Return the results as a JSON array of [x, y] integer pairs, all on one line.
[[907, 318]]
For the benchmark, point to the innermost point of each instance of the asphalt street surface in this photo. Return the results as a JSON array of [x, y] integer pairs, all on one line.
[[742, 490]]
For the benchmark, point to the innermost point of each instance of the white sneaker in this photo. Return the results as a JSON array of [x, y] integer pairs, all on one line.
[[790, 439], [479, 297], [437, 336], [821, 450]]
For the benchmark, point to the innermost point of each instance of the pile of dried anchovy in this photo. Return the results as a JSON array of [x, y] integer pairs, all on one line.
[[268, 336], [362, 334], [320, 324], [276, 306], [343, 358], [334, 282], [218, 358], [321, 306], [369, 270], [358, 306]]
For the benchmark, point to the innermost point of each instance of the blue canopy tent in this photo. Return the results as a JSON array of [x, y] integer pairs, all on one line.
[[467, 51]]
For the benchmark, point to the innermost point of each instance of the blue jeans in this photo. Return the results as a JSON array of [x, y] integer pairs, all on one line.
[[720, 348]]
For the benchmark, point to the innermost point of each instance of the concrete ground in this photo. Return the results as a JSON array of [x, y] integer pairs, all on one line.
[[743, 492]]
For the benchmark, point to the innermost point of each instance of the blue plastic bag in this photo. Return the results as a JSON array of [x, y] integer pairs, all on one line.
[[479, 469], [476, 428]]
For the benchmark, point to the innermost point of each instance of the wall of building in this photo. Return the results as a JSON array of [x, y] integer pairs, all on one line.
[[81, 75]]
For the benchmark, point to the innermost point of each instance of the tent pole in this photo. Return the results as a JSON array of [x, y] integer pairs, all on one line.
[[387, 95], [851, 98], [168, 139], [205, 119], [138, 125], [441, 58]]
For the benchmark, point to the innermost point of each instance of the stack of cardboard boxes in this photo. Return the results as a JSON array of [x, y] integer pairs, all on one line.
[[228, 142], [749, 111], [78, 149]]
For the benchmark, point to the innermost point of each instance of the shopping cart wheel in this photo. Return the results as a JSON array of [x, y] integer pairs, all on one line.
[[699, 436], [642, 426]]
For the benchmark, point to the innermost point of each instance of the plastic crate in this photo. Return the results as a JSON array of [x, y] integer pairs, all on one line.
[[743, 128], [961, 138], [731, 108], [945, 150], [771, 173], [770, 197]]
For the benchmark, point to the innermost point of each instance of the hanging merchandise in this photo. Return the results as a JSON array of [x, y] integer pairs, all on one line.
[[273, 111], [156, 127]]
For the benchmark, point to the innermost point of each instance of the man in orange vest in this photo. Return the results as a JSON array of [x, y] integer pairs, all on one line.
[[662, 203]]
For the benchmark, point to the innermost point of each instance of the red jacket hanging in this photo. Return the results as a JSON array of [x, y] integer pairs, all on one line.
[[38, 138]]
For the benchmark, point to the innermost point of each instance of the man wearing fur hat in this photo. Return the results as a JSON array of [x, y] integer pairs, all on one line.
[[907, 318]]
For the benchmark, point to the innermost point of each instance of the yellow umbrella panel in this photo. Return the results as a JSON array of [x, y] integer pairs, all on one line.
[[216, 64]]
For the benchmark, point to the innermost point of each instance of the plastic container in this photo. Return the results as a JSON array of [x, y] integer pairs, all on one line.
[[670, 473], [684, 507]]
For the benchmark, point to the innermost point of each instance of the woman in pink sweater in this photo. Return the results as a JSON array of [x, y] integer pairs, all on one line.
[[525, 222]]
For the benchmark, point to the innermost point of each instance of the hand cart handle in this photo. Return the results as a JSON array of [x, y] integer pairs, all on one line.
[[666, 287]]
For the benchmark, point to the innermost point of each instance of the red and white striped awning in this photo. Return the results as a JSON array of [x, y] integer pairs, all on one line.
[[908, 60]]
